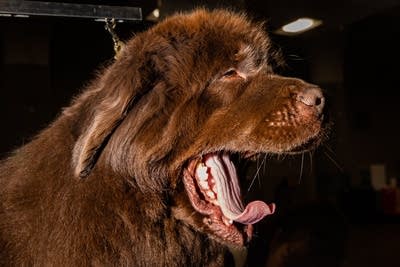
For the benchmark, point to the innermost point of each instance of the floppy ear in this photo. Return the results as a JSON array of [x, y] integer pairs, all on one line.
[[107, 115], [118, 89]]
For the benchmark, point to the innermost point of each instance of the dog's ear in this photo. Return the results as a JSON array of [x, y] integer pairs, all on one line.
[[117, 90]]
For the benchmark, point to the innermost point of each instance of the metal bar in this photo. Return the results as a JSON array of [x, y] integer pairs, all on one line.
[[20, 7]]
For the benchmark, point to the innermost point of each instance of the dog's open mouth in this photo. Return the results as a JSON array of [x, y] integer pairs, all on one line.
[[212, 185]]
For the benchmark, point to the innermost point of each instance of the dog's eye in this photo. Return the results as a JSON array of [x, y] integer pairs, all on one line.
[[230, 74]]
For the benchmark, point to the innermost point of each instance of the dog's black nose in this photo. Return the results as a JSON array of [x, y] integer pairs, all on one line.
[[312, 97]]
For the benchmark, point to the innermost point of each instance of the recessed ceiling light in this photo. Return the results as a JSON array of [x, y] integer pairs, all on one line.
[[299, 26], [156, 13]]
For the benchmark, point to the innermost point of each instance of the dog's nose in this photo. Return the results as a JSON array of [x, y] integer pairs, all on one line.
[[312, 97]]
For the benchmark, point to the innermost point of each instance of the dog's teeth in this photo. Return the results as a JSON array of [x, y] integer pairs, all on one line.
[[214, 188], [204, 184], [215, 202], [202, 172], [210, 194], [227, 222]]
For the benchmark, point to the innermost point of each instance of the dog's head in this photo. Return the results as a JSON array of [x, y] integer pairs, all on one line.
[[183, 99]]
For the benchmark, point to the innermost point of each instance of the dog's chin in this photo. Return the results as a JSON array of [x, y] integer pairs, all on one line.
[[308, 146], [213, 188]]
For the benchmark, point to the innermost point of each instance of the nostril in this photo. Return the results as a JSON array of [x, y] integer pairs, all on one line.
[[318, 101], [311, 96]]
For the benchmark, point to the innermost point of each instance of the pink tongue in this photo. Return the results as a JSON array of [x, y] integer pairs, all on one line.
[[255, 211], [228, 193]]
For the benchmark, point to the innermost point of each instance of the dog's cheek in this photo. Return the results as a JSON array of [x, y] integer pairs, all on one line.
[[223, 93]]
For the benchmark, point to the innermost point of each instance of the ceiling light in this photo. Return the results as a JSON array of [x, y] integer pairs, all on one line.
[[21, 16], [156, 13], [299, 26]]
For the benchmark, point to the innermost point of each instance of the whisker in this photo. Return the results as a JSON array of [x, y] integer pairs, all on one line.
[[263, 164], [257, 172], [310, 153], [330, 154], [264, 168], [333, 161], [258, 166], [329, 149], [301, 167]]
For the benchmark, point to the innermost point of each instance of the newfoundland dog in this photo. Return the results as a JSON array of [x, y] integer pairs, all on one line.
[[140, 169]]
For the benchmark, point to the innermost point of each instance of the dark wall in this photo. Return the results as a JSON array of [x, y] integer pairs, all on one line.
[[44, 62], [372, 61]]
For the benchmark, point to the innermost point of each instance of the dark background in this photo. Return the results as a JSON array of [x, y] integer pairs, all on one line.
[[354, 56]]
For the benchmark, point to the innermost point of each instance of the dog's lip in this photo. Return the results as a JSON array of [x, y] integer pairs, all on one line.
[[307, 146], [213, 189]]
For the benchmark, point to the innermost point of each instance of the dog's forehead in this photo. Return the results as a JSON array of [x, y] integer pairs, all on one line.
[[220, 33], [219, 26]]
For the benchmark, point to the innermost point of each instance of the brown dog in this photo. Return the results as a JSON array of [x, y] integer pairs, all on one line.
[[138, 170]]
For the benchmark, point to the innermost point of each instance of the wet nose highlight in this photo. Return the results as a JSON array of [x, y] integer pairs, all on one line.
[[312, 97]]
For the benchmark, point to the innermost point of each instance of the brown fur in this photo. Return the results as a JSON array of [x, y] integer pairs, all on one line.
[[102, 185]]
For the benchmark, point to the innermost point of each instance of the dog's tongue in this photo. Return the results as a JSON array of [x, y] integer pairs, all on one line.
[[228, 192]]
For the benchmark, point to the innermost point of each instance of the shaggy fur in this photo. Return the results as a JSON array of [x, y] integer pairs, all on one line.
[[111, 182]]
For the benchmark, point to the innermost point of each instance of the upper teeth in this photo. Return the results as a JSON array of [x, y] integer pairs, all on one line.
[[202, 172], [204, 184]]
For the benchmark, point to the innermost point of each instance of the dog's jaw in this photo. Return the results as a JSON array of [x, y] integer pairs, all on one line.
[[213, 189], [291, 125]]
